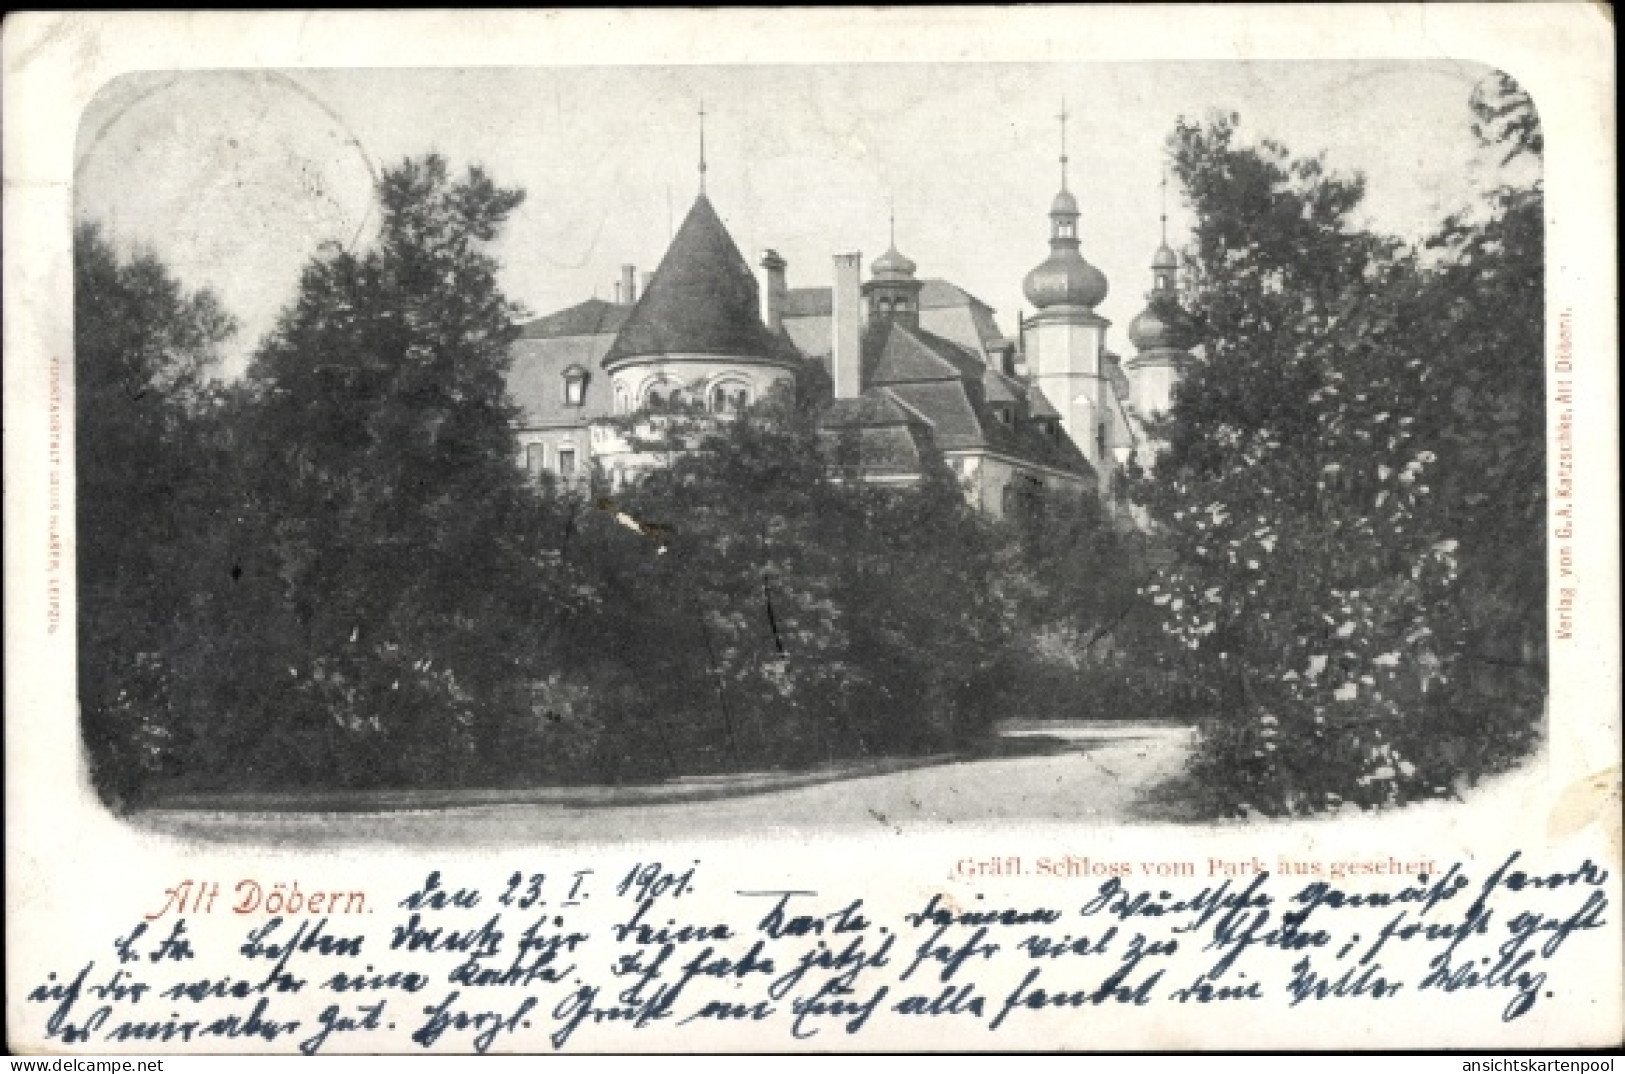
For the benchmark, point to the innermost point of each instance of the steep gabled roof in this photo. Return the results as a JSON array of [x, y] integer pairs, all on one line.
[[1038, 404], [703, 299], [897, 354], [590, 318], [876, 434], [808, 302], [872, 408], [953, 418], [937, 293], [998, 388]]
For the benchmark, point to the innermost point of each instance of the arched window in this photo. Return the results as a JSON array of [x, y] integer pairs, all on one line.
[[575, 386], [621, 399], [729, 397], [657, 399]]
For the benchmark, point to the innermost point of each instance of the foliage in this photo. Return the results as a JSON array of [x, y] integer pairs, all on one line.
[[1333, 460], [403, 569], [781, 617], [146, 421], [341, 577]]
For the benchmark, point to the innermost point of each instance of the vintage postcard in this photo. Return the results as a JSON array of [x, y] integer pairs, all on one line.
[[852, 530]]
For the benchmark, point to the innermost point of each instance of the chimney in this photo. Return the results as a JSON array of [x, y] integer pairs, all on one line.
[[773, 293], [629, 284], [846, 330], [647, 276], [617, 292]]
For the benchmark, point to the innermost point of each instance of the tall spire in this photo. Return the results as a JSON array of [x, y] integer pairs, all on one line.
[[702, 145], [1065, 279], [1165, 204], [1062, 118]]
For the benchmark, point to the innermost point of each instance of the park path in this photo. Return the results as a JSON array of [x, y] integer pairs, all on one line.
[[1080, 773]]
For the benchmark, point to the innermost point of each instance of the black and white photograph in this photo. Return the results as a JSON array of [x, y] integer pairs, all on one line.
[[459, 460], [545, 440]]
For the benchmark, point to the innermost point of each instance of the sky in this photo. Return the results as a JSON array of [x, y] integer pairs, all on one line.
[[235, 178]]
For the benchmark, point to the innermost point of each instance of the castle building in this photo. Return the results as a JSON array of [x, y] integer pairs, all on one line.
[[921, 372]]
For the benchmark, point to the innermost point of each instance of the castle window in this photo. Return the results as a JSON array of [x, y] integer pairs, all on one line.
[[656, 399], [535, 458], [575, 386], [567, 462], [729, 398], [1100, 440]]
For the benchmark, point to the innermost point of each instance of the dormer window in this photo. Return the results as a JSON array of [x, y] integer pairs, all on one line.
[[575, 386]]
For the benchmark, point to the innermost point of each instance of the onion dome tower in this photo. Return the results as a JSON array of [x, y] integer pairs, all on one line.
[[1065, 278], [1162, 334], [891, 292], [1065, 337]]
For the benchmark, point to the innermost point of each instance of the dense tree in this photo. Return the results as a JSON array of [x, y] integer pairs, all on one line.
[[1331, 458], [778, 616], [412, 571], [146, 425], [1485, 403]]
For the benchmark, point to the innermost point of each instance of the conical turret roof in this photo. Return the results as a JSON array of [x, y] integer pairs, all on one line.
[[702, 299]]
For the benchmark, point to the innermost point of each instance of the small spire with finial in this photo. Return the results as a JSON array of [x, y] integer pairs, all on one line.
[[1062, 118], [1165, 204], [892, 218], [702, 146]]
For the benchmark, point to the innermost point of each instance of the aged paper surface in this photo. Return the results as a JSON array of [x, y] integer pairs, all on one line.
[[80, 879]]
